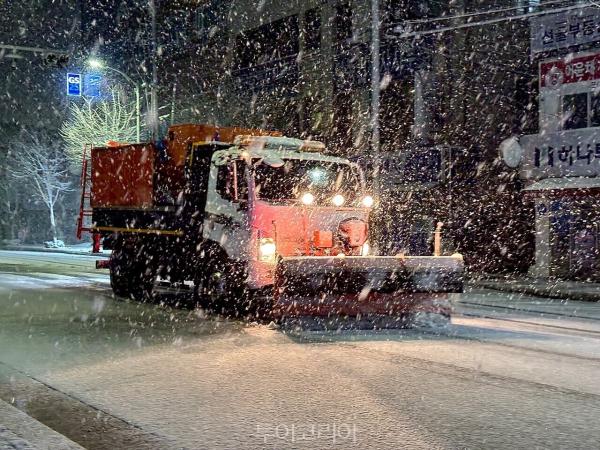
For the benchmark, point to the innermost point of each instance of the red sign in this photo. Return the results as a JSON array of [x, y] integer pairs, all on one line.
[[565, 71]]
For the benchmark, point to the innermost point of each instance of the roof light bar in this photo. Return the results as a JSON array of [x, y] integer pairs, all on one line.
[[278, 143]]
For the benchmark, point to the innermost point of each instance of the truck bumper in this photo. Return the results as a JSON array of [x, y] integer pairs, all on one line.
[[357, 286]]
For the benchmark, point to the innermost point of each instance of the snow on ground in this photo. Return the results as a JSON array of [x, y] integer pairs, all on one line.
[[42, 281], [85, 247], [495, 378]]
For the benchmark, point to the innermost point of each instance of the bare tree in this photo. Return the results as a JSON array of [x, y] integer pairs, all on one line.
[[41, 163], [97, 123]]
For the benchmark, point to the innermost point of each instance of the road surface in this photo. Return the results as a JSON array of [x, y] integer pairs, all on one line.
[[510, 372]]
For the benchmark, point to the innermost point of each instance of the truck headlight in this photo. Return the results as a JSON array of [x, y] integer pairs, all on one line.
[[308, 198], [266, 249], [367, 201], [338, 200]]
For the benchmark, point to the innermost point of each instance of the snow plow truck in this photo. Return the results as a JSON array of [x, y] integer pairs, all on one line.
[[254, 221]]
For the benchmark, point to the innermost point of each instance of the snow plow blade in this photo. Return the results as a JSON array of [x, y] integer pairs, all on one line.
[[359, 287]]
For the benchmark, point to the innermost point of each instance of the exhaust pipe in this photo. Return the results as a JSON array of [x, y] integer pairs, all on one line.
[[437, 239]]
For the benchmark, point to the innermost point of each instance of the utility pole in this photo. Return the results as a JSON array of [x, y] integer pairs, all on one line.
[[378, 223], [375, 88], [153, 86], [137, 113], [173, 103]]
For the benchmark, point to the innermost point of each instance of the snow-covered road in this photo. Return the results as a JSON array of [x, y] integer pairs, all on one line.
[[511, 372]]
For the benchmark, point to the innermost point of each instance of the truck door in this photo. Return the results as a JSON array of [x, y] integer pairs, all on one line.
[[226, 218]]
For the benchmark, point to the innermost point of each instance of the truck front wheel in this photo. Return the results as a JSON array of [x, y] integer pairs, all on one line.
[[220, 288]]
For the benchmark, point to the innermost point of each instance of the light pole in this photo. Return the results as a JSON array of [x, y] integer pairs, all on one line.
[[375, 93], [97, 64]]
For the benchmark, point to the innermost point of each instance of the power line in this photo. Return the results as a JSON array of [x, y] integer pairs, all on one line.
[[481, 13], [491, 21]]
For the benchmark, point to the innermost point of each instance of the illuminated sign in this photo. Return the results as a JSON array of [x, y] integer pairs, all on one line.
[[74, 84]]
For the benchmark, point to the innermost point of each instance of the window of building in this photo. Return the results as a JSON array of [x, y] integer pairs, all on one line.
[[269, 42], [342, 121], [575, 111], [309, 119], [397, 11], [595, 109], [312, 29], [343, 22]]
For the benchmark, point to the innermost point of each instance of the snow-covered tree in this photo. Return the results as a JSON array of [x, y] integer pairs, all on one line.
[[40, 163], [97, 123]]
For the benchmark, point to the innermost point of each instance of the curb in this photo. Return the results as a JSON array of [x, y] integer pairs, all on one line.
[[539, 292], [20, 431]]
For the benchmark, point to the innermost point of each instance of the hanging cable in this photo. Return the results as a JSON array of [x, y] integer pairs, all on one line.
[[484, 13], [488, 22]]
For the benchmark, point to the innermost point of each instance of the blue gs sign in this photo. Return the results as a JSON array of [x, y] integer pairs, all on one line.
[[74, 84]]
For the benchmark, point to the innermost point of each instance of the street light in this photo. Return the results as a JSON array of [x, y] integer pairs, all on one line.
[[375, 93], [97, 64]]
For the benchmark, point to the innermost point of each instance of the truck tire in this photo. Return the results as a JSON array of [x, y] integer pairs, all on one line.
[[120, 271], [219, 288], [142, 285], [129, 277], [213, 288]]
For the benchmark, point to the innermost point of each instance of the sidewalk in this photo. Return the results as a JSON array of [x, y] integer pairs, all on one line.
[[572, 290], [85, 249], [22, 432]]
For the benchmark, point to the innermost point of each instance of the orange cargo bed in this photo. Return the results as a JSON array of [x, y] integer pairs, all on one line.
[[144, 176], [123, 177]]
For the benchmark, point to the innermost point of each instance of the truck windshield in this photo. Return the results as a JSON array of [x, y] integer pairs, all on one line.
[[320, 178]]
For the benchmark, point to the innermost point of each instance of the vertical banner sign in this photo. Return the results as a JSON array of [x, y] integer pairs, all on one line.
[[92, 85], [74, 84]]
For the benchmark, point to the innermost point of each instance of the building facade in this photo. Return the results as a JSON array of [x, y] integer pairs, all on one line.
[[561, 163], [304, 67], [447, 101]]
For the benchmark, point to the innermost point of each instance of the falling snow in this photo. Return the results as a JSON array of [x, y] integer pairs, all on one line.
[[237, 207]]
